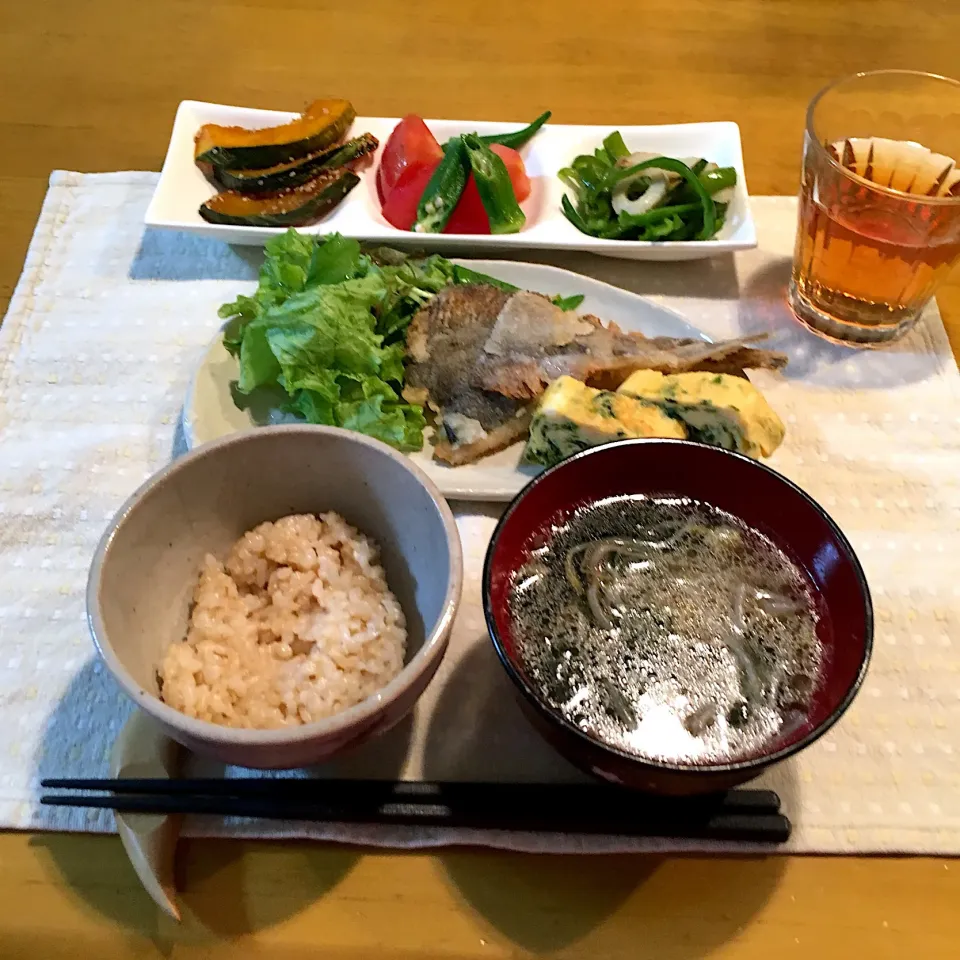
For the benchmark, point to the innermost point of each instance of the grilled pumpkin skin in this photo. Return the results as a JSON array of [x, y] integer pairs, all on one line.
[[323, 123], [288, 208], [283, 176]]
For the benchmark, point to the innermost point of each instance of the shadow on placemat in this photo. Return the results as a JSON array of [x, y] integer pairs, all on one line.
[[763, 309], [712, 279], [381, 758], [78, 738], [179, 446], [172, 255], [477, 731]]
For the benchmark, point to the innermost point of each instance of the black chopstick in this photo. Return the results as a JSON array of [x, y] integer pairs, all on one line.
[[463, 792], [739, 815]]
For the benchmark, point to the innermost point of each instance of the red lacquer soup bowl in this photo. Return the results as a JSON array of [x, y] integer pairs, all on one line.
[[762, 499]]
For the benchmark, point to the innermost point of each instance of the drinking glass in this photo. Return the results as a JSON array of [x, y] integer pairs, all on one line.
[[879, 226]]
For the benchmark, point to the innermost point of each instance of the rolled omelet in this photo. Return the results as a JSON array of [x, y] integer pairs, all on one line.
[[572, 417], [715, 408]]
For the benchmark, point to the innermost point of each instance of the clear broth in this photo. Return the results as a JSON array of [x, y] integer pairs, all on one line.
[[668, 629]]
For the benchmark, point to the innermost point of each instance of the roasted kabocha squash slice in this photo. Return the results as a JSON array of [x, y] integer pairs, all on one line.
[[283, 176], [286, 208], [323, 123]]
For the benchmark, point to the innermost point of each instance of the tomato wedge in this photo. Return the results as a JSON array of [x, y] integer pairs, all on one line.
[[411, 146], [518, 172], [469, 216], [400, 207]]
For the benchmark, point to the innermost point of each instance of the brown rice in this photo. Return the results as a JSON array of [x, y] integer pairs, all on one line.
[[298, 624]]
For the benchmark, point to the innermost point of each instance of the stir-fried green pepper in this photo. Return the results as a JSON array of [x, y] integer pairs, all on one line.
[[573, 215], [676, 166], [615, 146], [494, 186], [626, 220], [443, 189], [686, 210], [720, 178]]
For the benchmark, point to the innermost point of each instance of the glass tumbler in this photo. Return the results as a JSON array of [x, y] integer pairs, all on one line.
[[879, 224]]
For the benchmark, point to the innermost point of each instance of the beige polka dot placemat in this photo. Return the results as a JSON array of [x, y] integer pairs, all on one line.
[[106, 326]]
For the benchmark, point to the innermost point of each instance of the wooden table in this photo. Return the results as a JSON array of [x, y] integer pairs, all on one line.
[[94, 86]]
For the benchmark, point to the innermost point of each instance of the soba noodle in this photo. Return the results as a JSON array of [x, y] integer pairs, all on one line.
[[668, 629]]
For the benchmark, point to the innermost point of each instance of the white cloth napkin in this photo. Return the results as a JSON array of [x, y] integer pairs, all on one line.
[[103, 333]]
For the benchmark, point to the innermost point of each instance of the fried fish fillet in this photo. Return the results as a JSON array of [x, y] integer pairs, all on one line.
[[522, 358], [445, 339]]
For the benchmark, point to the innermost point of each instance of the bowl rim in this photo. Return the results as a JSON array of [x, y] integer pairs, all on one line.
[[346, 720], [753, 763]]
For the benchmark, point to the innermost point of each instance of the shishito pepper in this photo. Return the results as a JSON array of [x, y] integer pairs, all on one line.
[[494, 186], [445, 187], [518, 138]]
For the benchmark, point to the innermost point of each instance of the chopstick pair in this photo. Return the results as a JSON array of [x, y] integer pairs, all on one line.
[[738, 815]]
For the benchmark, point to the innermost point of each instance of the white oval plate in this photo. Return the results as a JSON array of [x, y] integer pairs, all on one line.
[[182, 187], [209, 411]]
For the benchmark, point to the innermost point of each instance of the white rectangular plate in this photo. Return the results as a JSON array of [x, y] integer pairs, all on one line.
[[182, 187], [209, 411]]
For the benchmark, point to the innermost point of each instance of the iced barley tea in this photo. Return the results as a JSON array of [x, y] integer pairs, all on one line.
[[878, 232]]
